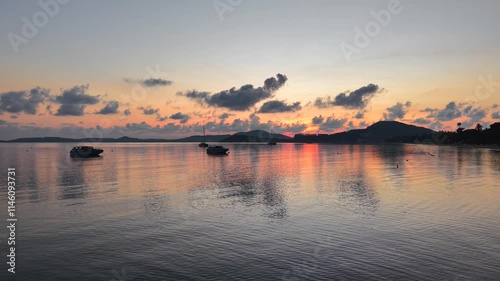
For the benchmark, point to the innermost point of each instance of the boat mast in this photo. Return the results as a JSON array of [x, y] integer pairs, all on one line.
[[203, 132]]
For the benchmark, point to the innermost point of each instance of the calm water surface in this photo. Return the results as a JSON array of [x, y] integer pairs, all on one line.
[[289, 212]]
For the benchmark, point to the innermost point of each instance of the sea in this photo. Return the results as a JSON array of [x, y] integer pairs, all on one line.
[[169, 211]]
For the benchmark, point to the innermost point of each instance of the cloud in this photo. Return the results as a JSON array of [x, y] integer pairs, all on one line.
[[77, 95], [453, 111], [495, 115], [396, 111], [151, 82], [23, 101], [149, 110], [357, 99], [241, 99], [422, 121], [110, 108], [476, 115], [450, 112], [428, 109], [179, 116], [276, 106], [127, 112], [145, 130], [290, 128], [71, 110], [224, 116], [360, 114], [332, 123], [436, 126], [73, 101], [317, 120]]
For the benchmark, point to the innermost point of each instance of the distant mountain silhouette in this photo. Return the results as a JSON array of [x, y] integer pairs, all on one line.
[[257, 136], [208, 138], [376, 133], [390, 129]]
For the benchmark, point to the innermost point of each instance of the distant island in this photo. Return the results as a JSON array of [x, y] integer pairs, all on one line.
[[380, 132]]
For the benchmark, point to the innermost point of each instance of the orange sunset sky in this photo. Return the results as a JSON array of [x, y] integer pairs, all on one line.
[[166, 68]]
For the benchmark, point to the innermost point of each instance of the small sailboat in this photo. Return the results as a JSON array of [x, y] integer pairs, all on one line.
[[203, 144], [271, 139]]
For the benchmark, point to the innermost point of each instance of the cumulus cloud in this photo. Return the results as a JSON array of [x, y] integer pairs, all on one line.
[[71, 110], [396, 111], [450, 112], [149, 110], [422, 121], [179, 116], [317, 120], [224, 116], [241, 99], [436, 126], [331, 124], [110, 108], [145, 130], [276, 106], [475, 116], [77, 95], [357, 99], [290, 128], [127, 112], [495, 115], [151, 82], [23, 101], [360, 115], [74, 101]]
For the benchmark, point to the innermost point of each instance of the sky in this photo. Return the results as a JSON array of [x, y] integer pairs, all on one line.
[[165, 69]]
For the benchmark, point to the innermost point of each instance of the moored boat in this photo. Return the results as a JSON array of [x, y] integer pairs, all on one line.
[[203, 144], [85, 151], [217, 150]]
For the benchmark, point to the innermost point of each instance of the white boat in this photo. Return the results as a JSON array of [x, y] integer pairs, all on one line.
[[217, 150], [85, 151]]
